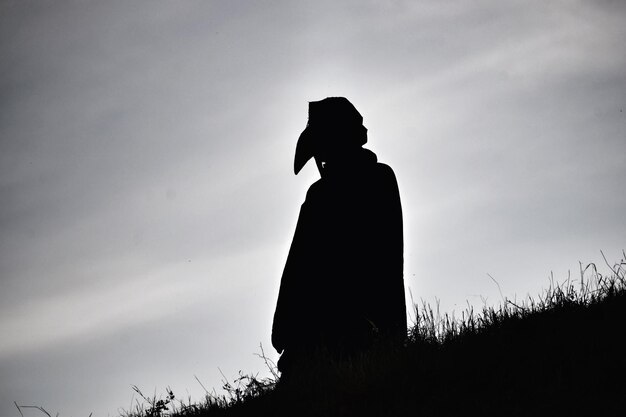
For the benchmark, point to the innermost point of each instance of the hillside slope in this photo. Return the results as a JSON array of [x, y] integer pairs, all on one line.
[[563, 354]]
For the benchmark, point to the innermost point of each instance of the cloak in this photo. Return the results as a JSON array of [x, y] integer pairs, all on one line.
[[342, 285]]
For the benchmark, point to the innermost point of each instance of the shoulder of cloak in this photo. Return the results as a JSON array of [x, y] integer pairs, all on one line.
[[314, 190], [385, 174]]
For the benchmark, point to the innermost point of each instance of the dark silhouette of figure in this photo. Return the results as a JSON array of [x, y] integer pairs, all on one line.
[[342, 287]]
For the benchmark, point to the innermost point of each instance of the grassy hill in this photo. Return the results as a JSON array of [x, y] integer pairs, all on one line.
[[561, 354]]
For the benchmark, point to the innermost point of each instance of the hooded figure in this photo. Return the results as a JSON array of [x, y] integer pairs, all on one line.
[[342, 286]]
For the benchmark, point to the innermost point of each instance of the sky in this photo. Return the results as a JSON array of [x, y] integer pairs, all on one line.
[[147, 195]]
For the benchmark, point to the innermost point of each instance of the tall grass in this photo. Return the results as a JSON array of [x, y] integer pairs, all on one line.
[[560, 353], [591, 288]]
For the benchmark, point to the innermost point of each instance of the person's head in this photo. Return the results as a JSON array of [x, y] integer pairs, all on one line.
[[334, 131]]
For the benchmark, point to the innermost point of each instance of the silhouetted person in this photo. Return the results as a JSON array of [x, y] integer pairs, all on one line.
[[342, 286]]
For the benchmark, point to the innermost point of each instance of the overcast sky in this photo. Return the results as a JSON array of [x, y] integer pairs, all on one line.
[[147, 195]]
